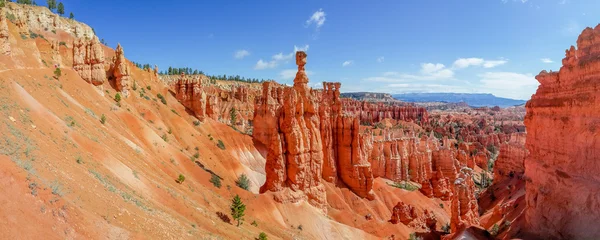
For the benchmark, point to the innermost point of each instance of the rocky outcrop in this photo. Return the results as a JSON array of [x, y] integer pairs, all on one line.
[[4, 34], [121, 71], [510, 161], [464, 205], [371, 113], [188, 92], [88, 60], [39, 19], [562, 128], [403, 213]]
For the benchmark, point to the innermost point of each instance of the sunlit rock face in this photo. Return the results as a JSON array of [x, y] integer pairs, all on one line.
[[562, 121]]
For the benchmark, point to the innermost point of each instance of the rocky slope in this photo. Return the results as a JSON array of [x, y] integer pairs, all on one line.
[[562, 124]]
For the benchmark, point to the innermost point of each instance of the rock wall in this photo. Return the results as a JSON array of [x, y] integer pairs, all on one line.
[[510, 161], [371, 113], [88, 60], [562, 120]]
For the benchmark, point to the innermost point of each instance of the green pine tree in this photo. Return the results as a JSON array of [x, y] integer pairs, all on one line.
[[61, 9], [237, 209], [71, 16], [51, 4]]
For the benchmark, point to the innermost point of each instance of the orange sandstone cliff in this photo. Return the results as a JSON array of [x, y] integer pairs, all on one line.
[[562, 127]]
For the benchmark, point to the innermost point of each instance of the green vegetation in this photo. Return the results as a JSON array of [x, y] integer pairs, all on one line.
[[243, 182], [103, 119], [215, 180], [494, 230], [196, 123], [61, 9], [220, 144], [162, 98], [62, 44], [71, 16], [413, 236], [262, 236], [118, 97], [164, 137], [148, 87], [446, 228], [233, 116], [180, 179], [254, 224], [404, 185], [237, 209], [57, 73], [79, 160], [51, 5]]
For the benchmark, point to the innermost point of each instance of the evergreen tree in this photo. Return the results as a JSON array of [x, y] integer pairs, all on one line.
[[237, 209], [51, 4], [71, 16], [61, 9], [170, 71]]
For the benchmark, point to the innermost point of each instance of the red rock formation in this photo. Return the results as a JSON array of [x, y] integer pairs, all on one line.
[[121, 71], [464, 205], [510, 161], [403, 213], [88, 61], [371, 113], [189, 93], [562, 128], [4, 34]]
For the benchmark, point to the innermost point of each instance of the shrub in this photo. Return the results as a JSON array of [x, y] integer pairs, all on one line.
[[196, 155], [196, 123], [162, 98], [405, 185], [221, 145], [103, 119], [180, 179], [215, 180], [254, 224], [62, 44], [134, 87], [441, 205], [57, 73], [446, 228], [494, 230], [262, 236], [413, 236], [117, 97], [164, 137], [237, 209], [148, 87], [300, 227], [243, 182]]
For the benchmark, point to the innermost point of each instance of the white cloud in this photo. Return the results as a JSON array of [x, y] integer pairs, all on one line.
[[317, 18], [241, 54], [264, 65], [291, 74], [508, 84], [546, 60], [347, 63], [428, 72], [467, 62], [279, 58], [380, 59]]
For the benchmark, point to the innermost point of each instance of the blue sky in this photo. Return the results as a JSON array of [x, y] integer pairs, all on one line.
[[482, 46]]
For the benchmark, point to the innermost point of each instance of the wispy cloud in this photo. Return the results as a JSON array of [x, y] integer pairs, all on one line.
[[546, 60], [240, 54], [380, 59], [279, 58], [467, 62], [347, 63], [317, 18]]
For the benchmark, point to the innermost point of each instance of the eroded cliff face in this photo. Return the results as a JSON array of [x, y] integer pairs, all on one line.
[[216, 101], [562, 128], [88, 60], [510, 161], [39, 18], [4, 34]]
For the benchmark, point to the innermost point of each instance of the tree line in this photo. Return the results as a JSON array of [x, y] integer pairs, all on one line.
[[52, 5]]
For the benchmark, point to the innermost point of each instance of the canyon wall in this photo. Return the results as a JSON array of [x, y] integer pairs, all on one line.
[[40, 18], [88, 60], [562, 120], [510, 161]]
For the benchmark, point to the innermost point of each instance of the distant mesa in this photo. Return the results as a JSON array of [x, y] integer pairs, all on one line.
[[472, 99]]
